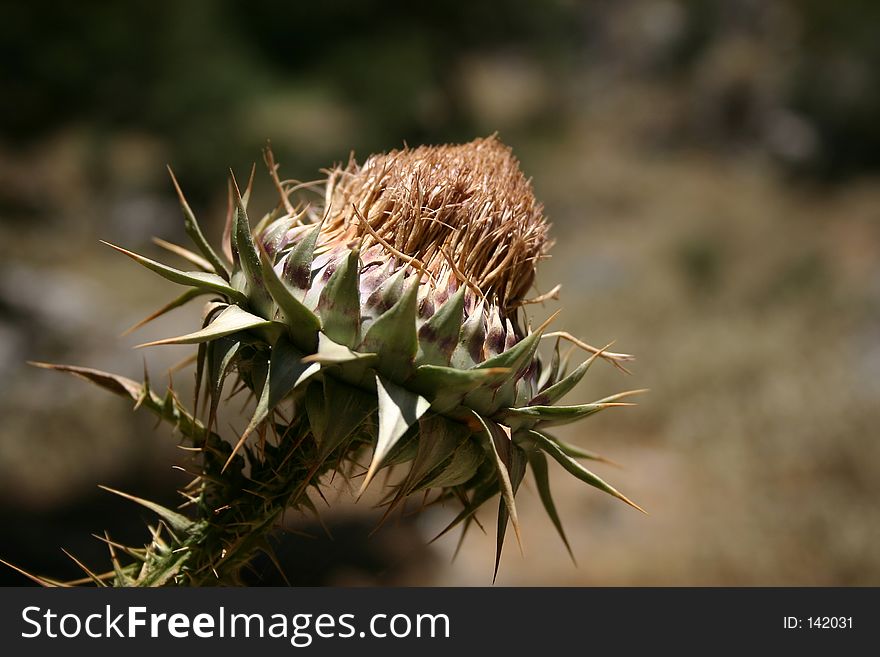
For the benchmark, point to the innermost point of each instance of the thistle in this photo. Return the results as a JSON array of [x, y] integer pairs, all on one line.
[[384, 326]]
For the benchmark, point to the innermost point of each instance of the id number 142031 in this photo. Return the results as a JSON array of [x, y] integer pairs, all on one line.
[[819, 623]]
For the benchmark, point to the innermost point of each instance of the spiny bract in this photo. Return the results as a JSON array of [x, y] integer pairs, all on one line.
[[386, 318]]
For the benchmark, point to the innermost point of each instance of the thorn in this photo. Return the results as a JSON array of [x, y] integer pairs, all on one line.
[[464, 529], [250, 185], [132, 552], [613, 358], [541, 298], [622, 395], [323, 524], [269, 159], [235, 449], [321, 495], [34, 578], [186, 362], [624, 498], [548, 321], [158, 509], [237, 196], [117, 567], [269, 552], [85, 569], [186, 254]]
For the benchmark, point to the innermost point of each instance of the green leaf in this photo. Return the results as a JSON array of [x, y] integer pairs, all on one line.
[[578, 452], [549, 372], [549, 416], [438, 438], [575, 468], [404, 450], [198, 279], [286, 373], [448, 386], [161, 576], [554, 415], [518, 358], [259, 299], [561, 388], [542, 479], [398, 411], [270, 232], [316, 409], [254, 370], [443, 456], [393, 336], [301, 322], [500, 446], [223, 351], [297, 270], [191, 225], [520, 391], [175, 520], [439, 335], [201, 358], [386, 294], [231, 320], [339, 303], [333, 353], [516, 467], [469, 349], [462, 467], [335, 411]]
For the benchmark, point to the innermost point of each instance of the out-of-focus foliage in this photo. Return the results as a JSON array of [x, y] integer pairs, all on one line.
[[799, 79]]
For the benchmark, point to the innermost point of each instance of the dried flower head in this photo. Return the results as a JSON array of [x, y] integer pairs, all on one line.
[[465, 210]]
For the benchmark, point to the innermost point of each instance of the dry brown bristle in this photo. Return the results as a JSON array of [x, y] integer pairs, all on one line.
[[470, 201]]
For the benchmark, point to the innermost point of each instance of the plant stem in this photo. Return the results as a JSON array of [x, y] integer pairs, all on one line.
[[237, 507]]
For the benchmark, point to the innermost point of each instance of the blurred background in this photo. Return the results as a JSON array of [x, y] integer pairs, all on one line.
[[712, 173]]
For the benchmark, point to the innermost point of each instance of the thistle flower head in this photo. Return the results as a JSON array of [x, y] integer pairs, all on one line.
[[384, 323]]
